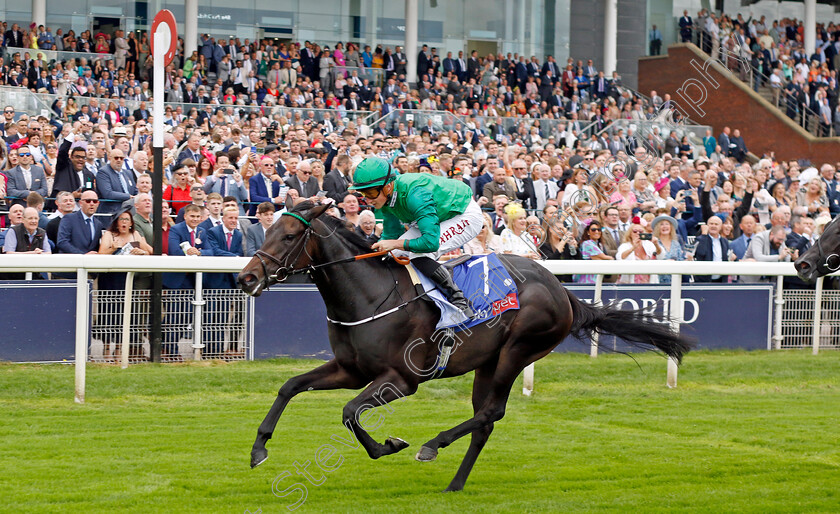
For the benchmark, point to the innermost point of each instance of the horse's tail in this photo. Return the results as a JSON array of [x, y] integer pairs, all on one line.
[[641, 329]]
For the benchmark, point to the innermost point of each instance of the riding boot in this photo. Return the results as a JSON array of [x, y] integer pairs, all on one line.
[[443, 280]]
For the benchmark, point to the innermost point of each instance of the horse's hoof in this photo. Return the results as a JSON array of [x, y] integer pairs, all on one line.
[[258, 457], [396, 444], [426, 454]]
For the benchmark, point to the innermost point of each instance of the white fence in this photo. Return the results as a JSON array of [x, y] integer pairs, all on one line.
[[83, 264]]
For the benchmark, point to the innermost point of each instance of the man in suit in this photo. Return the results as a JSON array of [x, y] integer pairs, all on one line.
[[79, 232], [723, 140], [611, 236], [367, 226], [712, 247], [265, 186], [141, 113], [832, 192], [686, 26], [450, 65], [178, 313], [422, 61], [521, 74], [462, 70], [192, 151], [255, 236], [474, 66], [500, 185], [544, 187], [524, 184], [741, 243], [302, 182], [25, 178], [337, 180], [71, 175], [223, 240], [14, 37], [767, 246], [114, 183], [227, 184]]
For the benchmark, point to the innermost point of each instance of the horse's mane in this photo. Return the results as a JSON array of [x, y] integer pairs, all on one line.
[[336, 225]]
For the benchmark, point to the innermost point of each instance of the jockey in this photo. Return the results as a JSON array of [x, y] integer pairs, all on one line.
[[440, 212]]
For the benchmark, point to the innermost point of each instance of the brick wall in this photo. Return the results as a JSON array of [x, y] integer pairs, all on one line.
[[730, 104]]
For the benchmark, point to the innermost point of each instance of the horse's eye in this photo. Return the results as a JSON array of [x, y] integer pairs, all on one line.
[[290, 237]]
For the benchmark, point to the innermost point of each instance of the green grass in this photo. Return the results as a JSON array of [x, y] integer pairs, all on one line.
[[744, 432]]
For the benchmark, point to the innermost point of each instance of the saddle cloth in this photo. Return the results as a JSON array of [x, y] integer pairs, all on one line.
[[485, 283]]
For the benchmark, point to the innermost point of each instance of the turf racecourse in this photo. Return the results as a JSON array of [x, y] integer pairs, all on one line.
[[744, 432]]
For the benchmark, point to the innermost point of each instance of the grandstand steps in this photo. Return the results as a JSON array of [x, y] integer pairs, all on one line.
[[733, 104]]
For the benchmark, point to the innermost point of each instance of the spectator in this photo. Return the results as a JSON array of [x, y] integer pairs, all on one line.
[[634, 248], [25, 178], [559, 244], [227, 181], [337, 180], [143, 216], [665, 229], [80, 232], [255, 237], [223, 240], [71, 175], [179, 193], [166, 223], [193, 238], [592, 248], [368, 228], [114, 184], [214, 210], [64, 205], [27, 237], [266, 186], [514, 237], [713, 248], [350, 206]]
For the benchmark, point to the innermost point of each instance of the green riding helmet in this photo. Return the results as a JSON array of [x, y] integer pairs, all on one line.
[[372, 172]]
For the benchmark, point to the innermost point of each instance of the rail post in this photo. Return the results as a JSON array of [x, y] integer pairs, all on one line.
[[676, 318], [126, 321], [815, 340], [596, 300], [81, 332], [779, 302]]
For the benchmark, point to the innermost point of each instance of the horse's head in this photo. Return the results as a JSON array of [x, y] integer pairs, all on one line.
[[287, 248], [823, 257]]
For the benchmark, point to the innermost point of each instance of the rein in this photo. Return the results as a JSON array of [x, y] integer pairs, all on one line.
[[288, 270]]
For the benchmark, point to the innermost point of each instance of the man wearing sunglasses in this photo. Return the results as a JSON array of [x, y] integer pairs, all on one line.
[[71, 174], [25, 178], [442, 214], [114, 183], [79, 232]]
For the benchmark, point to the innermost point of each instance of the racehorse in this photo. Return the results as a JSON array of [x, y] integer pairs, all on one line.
[[822, 258], [380, 331]]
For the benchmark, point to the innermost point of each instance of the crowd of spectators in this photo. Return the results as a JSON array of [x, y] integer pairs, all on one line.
[[773, 54], [80, 171]]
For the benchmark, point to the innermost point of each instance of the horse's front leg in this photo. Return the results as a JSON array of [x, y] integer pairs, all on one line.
[[327, 376], [384, 389]]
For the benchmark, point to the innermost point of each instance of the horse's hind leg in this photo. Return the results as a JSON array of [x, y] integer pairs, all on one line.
[[481, 388], [329, 375], [383, 390], [511, 363]]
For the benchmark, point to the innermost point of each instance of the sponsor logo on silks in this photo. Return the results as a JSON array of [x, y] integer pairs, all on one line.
[[508, 302], [454, 231]]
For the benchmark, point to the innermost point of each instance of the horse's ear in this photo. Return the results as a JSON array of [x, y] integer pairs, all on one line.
[[317, 210]]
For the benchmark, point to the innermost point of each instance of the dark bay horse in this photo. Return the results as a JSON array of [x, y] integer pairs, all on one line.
[[823, 257], [382, 332]]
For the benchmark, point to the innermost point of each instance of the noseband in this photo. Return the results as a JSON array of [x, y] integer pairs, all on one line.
[[285, 266]]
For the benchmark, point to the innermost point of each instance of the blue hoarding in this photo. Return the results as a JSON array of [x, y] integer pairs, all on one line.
[[291, 320], [718, 316], [39, 321]]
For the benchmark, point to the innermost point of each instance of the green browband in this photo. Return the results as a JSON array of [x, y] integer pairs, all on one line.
[[298, 217]]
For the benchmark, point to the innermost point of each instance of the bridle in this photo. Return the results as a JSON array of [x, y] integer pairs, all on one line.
[[286, 265], [822, 261]]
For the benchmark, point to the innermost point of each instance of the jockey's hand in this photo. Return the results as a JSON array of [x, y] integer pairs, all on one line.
[[388, 245]]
